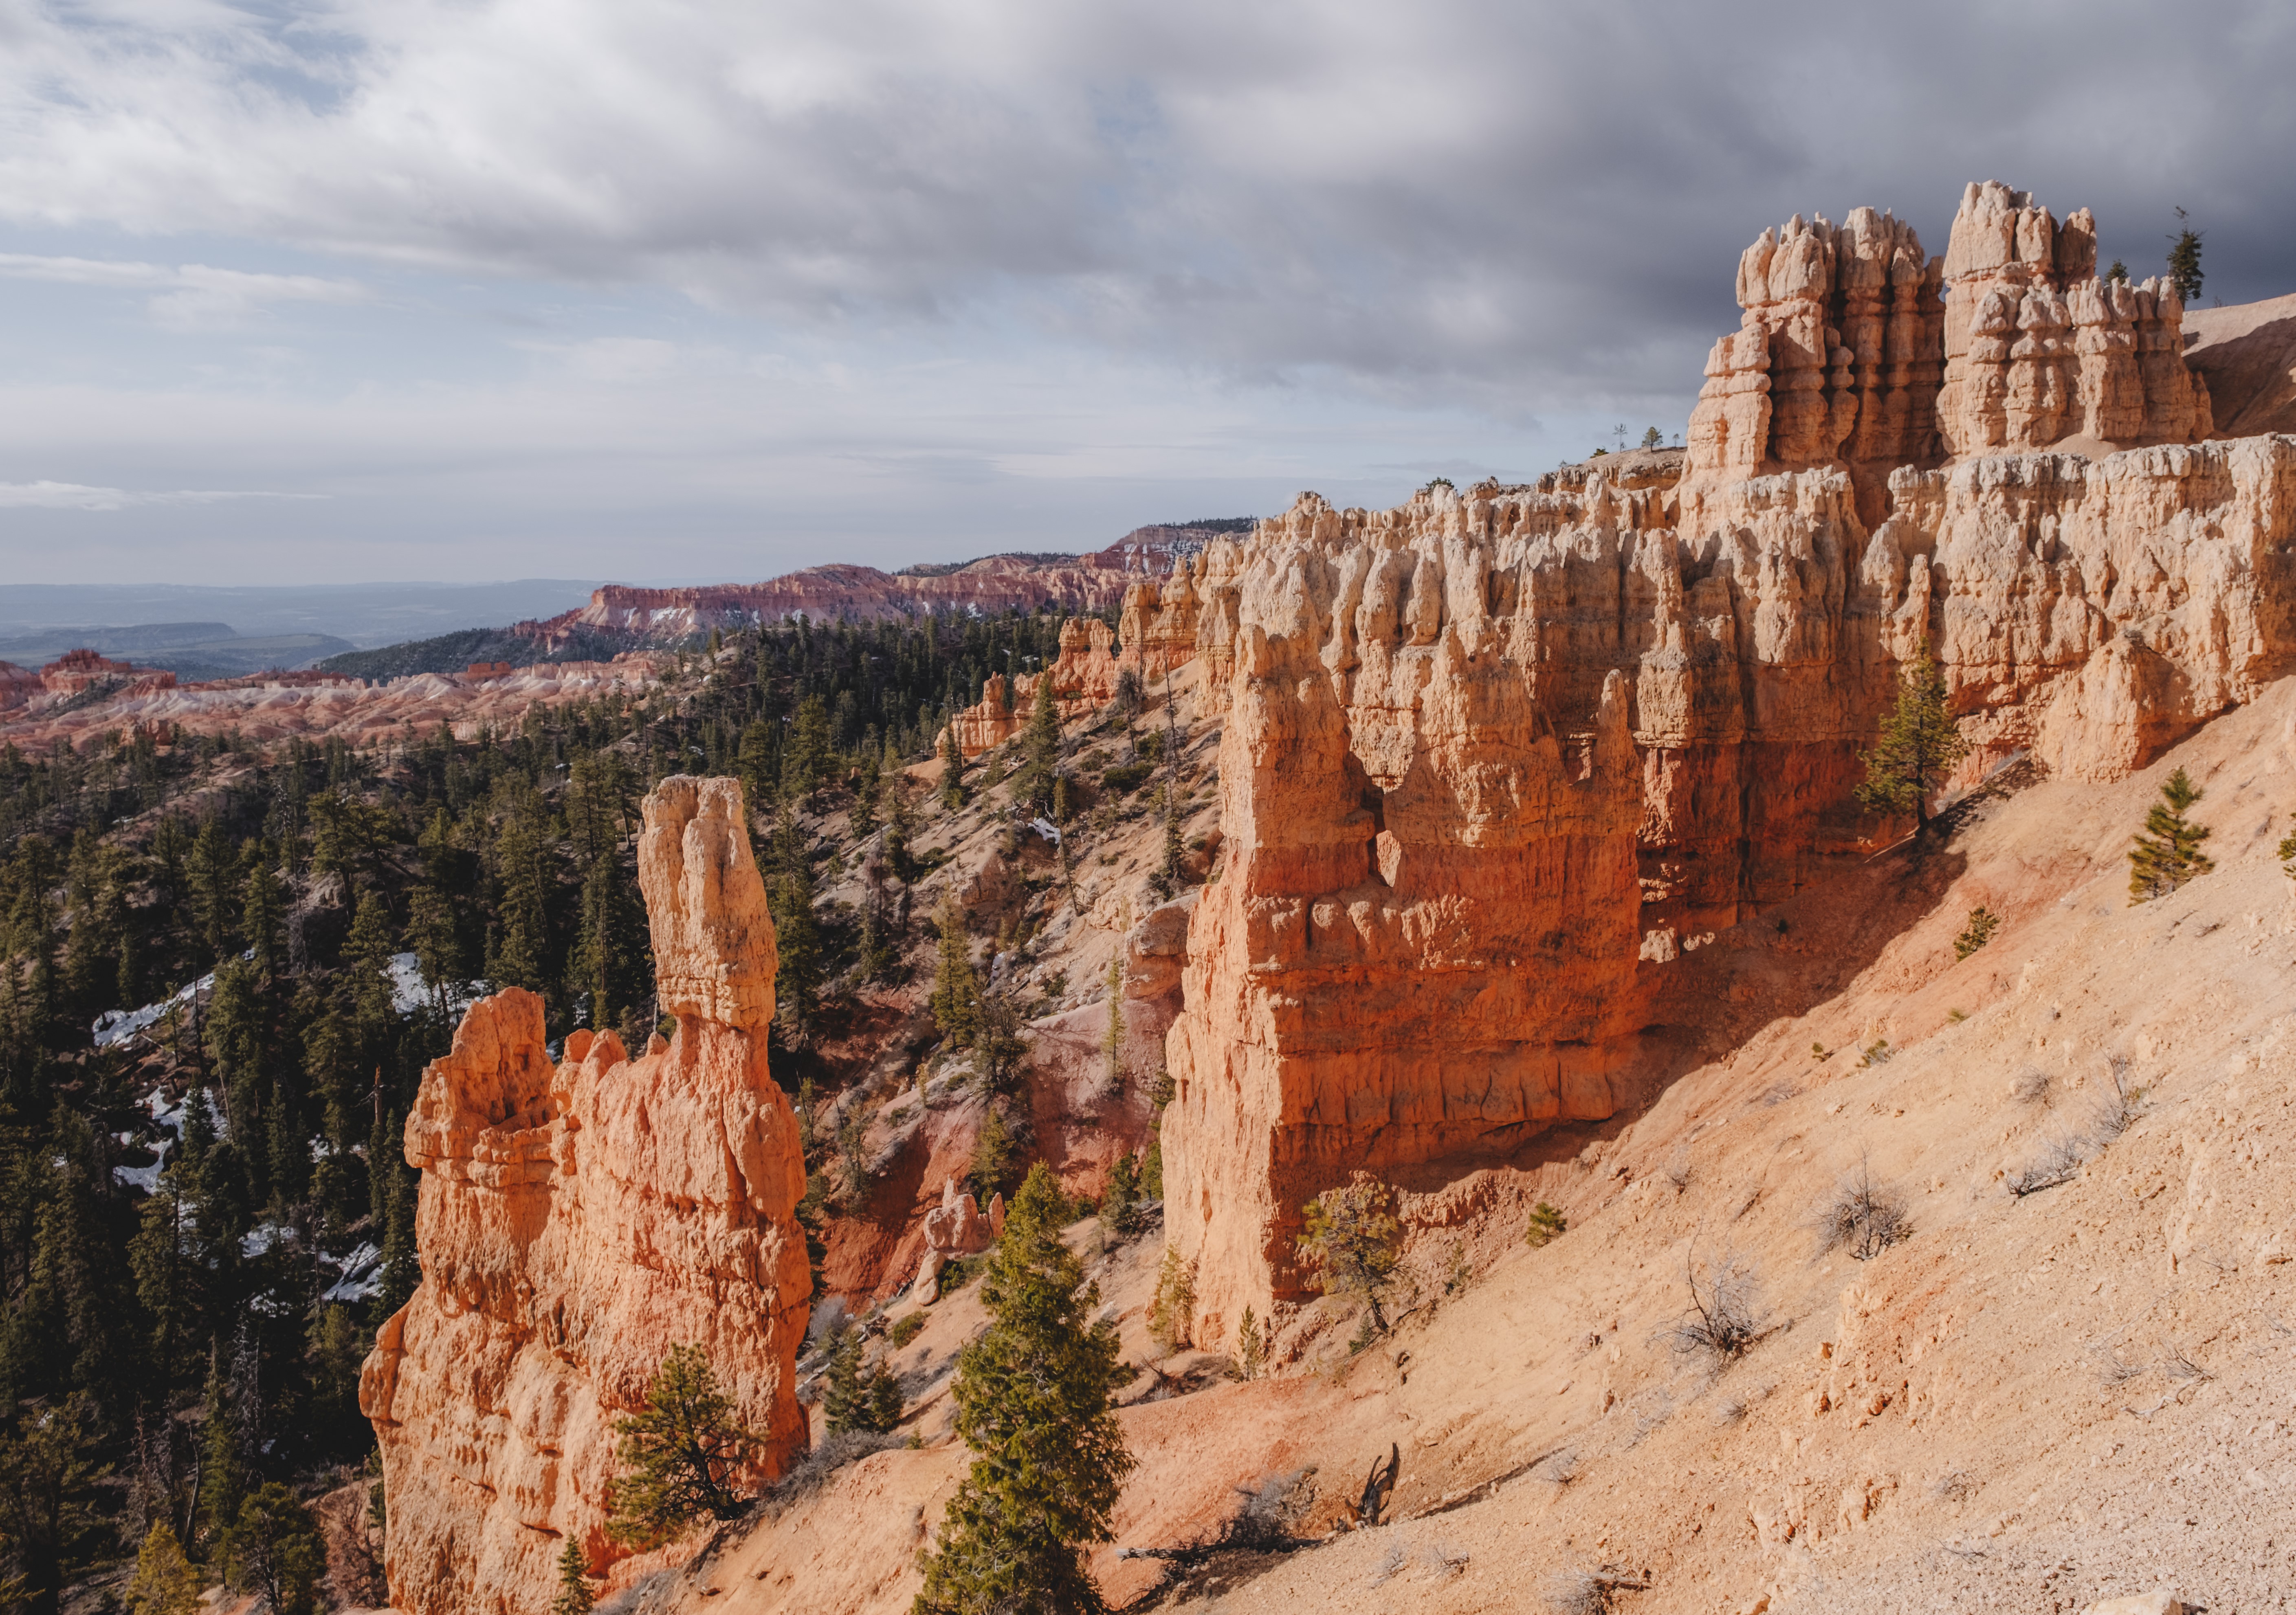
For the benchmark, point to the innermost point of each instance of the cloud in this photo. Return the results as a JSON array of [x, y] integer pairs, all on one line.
[[80, 496], [1516, 206], [189, 297]]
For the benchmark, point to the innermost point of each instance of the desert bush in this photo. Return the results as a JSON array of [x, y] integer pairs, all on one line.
[[1982, 924], [1860, 1218], [2031, 1085], [905, 1330], [1724, 1320], [2063, 1153], [1678, 1171], [1590, 1592], [1546, 1224]]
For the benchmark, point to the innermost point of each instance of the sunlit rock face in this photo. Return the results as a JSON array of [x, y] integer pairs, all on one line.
[[579, 1219]]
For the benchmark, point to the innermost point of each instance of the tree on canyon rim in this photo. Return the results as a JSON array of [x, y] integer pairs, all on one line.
[[682, 1452], [1032, 1404], [1918, 745]]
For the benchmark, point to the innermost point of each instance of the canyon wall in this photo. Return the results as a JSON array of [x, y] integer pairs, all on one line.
[[579, 1217], [1494, 758]]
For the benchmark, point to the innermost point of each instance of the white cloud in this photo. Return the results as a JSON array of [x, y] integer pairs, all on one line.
[[80, 496], [188, 297]]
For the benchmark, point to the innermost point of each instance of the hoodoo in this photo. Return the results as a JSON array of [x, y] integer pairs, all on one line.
[[1496, 756], [577, 1219]]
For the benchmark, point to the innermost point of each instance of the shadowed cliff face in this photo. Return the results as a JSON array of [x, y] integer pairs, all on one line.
[[579, 1218], [1495, 761]]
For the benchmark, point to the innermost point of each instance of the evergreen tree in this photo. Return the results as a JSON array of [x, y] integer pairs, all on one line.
[[681, 1454], [1040, 748], [1351, 1243], [796, 933], [2185, 260], [1121, 1203], [208, 871], [844, 1400], [263, 917], [899, 822], [1111, 1040], [807, 752], [994, 1153], [47, 1484], [272, 1548], [573, 1581], [885, 1406], [2167, 853], [164, 1583], [1032, 1404], [1918, 744], [957, 993], [952, 770]]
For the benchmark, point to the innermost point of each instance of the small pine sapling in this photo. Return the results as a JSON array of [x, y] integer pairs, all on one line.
[[573, 1581], [2167, 852], [1546, 1224], [1982, 924], [1250, 1347], [681, 1454], [1173, 1311]]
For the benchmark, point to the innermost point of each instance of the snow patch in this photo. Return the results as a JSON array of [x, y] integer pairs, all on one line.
[[408, 992]]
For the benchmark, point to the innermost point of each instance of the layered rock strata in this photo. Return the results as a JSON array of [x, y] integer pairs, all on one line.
[[1493, 759], [1853, 350], [579, 1217]]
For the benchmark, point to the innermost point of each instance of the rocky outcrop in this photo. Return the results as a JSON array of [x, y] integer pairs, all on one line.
[[273, 706], [1084, 680], [2038, 349], [1495, 758], [1158, 628], [579, 1217], [956, 1228]]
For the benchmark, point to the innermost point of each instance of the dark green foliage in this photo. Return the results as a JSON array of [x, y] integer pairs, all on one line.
[[1918, 744], [1120, 1208], [1032, 1404], [952, 771], [957, 991], [2286, 851], [682, 1456], [994, 1155], [1040, 750], [1546, 1224], [2185, 260], [797, 986], [1123, 778], [273, 1548], [573, 1581], [859, 1401], [1351, 1243], [907, 1329], [1982, 924], [2167, 853]]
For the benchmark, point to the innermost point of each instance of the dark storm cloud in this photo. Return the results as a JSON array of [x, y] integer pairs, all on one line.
[[1513, 206]]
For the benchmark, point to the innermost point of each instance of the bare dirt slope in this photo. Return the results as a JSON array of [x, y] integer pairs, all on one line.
[[2027, 1404], [2248, 353]]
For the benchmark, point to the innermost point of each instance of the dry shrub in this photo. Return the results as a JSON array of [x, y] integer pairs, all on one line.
[[1591, 1592], [2031, 1085], [1724, 1319], [1862, 1219], [2063, 1153]]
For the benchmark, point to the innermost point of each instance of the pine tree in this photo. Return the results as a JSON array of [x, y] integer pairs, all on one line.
[[885, 1406], [272, 1548], [523, 942], [164, 1583], [1119, 1206], [797, 932], [681, 1452], [844, 1400], [759, 773], [2185, 260], [2167, 853], [900, 820], [573, 1581], [263, 917], [1351, 1243], [807, 752], [957, 993], [1918, 745], [1171, 1312], [2286, 852], [992, 1155], [952, 770], [1111, 1040], [1040, 747], [1032, 1404], [1250, 1347]]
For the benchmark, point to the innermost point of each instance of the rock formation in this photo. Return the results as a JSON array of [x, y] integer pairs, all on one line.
[[273, 706], [1495, 756], [956, 1228], [1854, 351], [2246, 357], [1084, 680], [579, 1218], [1158, 628]]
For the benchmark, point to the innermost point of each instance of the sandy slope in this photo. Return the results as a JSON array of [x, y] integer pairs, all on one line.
[[2027, 1405], [2248, 353]]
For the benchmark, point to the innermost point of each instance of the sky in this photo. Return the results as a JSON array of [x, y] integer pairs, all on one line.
[[487, 289]]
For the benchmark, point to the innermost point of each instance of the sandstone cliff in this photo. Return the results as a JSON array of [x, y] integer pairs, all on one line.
[[1497, 758], [578, 1218]]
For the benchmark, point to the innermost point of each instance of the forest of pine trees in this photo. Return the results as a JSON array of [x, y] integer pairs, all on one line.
[[182, 1330]]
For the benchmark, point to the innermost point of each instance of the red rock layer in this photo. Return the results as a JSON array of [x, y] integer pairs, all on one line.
[[579, 1220], [1084, 680], [1493, 759]]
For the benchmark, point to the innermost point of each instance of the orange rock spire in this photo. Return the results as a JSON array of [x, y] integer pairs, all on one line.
[[577, 1219]]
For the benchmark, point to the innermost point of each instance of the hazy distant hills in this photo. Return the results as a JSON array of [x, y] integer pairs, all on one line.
[[353, 615], [188, 649]]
